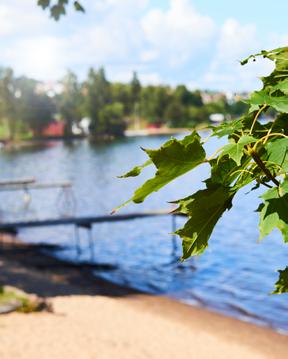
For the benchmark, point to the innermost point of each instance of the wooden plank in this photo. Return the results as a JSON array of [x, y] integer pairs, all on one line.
[[19, 181], [81, 221], [34, 186]]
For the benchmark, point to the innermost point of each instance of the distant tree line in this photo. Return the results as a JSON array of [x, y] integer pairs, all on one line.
[[28, 106]]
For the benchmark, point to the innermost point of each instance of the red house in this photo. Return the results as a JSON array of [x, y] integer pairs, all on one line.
[[54, 129]]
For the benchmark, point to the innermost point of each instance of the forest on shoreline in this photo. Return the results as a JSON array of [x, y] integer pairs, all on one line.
[[28, 107]]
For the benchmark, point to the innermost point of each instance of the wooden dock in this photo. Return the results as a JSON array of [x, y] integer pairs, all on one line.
[[85, 222]]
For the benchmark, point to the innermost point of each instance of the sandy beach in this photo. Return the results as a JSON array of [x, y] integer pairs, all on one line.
[[96, 319]]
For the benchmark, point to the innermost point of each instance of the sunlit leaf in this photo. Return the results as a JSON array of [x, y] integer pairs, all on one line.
[[235, 150], [136, 170], [172, 160], [274, 213], [226, 128], [277, 151], [264, 98], [204, 209], [282, 86]]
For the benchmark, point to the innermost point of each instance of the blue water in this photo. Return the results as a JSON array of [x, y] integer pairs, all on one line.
[[234, 276]]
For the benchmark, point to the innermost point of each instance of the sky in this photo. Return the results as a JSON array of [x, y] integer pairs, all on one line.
[[194, 42]]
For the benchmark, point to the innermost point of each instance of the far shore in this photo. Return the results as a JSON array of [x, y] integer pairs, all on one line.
[[96, 319], [155, 131], [31, 142]]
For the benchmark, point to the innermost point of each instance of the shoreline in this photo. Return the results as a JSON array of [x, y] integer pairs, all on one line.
[[126, 323], [42, 141]]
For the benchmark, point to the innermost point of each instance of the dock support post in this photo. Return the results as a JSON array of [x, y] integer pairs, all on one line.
[[77, 241], [91, 243]]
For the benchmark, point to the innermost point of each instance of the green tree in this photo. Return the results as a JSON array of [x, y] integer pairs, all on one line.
[[70, 101], [153, 103], [135, 88], [237, 108], [188, 98], [111, 120], [176, 114], [8, 100], [122, 93], [35, 109], [97, 95]]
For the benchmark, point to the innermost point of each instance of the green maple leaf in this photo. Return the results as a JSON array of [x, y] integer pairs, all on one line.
[[136, 170], [235, 150], [222, 172], [43, 3], [274, 212], [277, 152], [172, 160], [204, 209], [57, 11], [282, 86], [282, 284], [262, 98], [226, 128]]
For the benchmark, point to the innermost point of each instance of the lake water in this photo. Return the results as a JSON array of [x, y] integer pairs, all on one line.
[[234, 276]]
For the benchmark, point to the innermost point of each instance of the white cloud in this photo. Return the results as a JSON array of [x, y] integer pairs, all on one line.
[[148, 55], [107, 37], [19, 17], [112, 40], [6, 26], [177, 34], [235, 42], [123, 7], [171, 45], [39, 57]]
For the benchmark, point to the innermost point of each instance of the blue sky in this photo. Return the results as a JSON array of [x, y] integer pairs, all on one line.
[[195, 42]]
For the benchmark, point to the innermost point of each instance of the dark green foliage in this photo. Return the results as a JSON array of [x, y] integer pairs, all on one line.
[[282, 284], [38, 110], [8, 101], [135, 88], [107, 115], [70, 102], [274, 212], [111, 120], [204, 209], [277, 153], [255, 152], [235, 149], [175, 114], [153, 103], [78, 6], [188, 98], [44, 3], [23, 107], [237, 108]]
